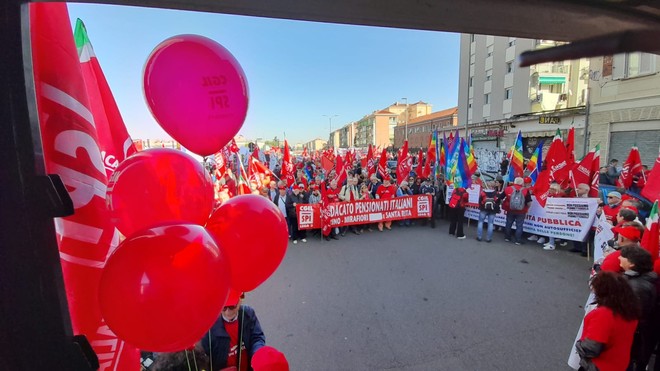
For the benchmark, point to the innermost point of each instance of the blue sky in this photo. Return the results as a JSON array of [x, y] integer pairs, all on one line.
[[297, 71]]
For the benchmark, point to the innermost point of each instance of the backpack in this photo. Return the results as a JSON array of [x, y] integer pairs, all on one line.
[[455, 199], [517, 200], [489, 202]]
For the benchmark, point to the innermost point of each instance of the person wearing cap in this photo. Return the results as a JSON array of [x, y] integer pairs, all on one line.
[[237, 323], [637, 267], [385, 191], [297, 197], [612, 207], [628, 235], [269, 359]]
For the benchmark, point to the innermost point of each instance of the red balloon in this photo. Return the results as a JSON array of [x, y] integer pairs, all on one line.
[[197, 92], [164, 287], [253, 235], [159, 186], [268, 358]]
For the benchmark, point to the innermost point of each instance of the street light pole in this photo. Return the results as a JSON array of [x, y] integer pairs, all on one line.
[[330, 122], [406, 100]]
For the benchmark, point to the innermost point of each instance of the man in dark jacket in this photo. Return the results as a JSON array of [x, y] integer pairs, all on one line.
[[297, 197], [221, 341], [637, 267]]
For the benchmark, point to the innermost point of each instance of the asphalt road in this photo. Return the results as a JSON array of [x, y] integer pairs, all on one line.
[[417, 299]]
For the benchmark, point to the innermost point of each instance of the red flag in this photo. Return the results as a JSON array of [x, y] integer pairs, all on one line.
[[255, 153], [288, 173], [348, 160], [420, 160], [220, 164], [371, 162], [556, 161], [542, 187], [325, 215], [570, 147], [340, 171], [327, 160], [581, 171], [243, 185], [404, 164], [259, 173], [632, 166], [232, 146], [72, 149], [304, 153], [652, 188], [430, 158], [382, 164], [113, 137]]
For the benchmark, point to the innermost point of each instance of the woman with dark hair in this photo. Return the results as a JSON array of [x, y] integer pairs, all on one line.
[[609, 328], [638, 269]]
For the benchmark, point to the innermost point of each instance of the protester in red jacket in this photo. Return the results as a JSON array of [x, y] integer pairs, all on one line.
[[612, 207], [516, 209], [628, 235]]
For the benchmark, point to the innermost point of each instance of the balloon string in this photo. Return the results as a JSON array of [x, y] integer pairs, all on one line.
[[210, 352], [187, 360], [195, 360]]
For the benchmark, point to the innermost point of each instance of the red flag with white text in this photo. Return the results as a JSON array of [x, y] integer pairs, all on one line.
[[113, 137], [557, 161], [72, 149], [404, 164], [288, 172], [371, 162], [382, 164], [631, 167]]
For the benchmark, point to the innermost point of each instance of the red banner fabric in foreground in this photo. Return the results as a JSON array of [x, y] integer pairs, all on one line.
[[364, 212]]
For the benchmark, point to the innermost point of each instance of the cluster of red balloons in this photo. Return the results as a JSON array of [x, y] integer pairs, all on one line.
[[166, 283]]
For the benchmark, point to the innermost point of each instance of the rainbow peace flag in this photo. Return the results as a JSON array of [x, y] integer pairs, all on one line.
[[534, 164], [516, 165]]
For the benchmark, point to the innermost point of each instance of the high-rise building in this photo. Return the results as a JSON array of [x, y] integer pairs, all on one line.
[[497, 98]]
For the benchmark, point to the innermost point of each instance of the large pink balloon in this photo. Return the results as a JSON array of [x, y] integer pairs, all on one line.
[[197, 92], [253, 235], [164, 287], [159, 186]]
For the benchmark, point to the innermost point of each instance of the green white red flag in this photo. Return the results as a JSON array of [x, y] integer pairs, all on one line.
[[72, 149], [114, 141], [651, 238]]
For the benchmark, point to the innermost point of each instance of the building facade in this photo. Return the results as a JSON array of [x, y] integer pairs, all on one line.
[[624, 106], [421, 127], [376, 129], [497, 98], [315, 144]]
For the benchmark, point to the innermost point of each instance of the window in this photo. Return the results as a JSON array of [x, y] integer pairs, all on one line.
[[487, 98], [489, 75], [489, 51], [512, 41], [632, 65], [471, 78], [508, 93], [509, 67], [471, 38]]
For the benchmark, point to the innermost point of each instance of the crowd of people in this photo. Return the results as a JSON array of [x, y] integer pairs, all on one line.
[[623, 329]]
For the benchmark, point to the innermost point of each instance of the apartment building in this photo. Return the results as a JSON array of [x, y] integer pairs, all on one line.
[[624, 105], [497, 98], [420, 128]]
